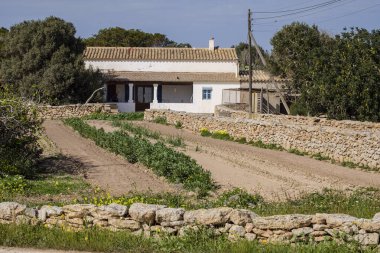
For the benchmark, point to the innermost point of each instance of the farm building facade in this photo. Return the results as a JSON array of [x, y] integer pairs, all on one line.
[[180, 79]]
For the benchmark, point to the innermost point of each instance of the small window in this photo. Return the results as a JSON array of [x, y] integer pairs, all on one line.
[[206, 93]]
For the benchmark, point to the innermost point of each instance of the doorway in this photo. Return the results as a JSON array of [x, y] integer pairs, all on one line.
[[143, 97]]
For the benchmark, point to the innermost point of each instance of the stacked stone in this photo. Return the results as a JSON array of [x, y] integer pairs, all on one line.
[[69, 111], [157, 220], [337, 140]]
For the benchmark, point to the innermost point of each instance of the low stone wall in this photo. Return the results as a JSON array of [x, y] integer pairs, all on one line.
[[155, 220], [357, 142], [68, 111]]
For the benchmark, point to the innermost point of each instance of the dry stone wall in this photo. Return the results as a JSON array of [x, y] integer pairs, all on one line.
[[357, 142], [68, 111], [157, 220]]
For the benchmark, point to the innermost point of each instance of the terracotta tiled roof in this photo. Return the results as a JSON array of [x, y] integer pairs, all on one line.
[[172, 77], [260, 76], [155, 53]]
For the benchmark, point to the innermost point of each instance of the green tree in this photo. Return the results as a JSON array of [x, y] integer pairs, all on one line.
[[338, 76], [243, 54], [43, 62], [3, 33], [120, 37], [293, 49], [19, 129]]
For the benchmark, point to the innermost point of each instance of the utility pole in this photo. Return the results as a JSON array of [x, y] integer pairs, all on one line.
[[250, 60], [265, 64]]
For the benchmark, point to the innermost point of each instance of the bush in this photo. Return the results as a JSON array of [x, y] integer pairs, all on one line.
[[19, 130]]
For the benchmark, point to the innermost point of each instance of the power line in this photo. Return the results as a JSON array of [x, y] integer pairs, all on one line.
[[298, 12], [301, 16], [297, 9], [349, 14]]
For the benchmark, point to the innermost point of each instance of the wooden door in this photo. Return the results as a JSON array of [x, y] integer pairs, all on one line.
[[143, 97]]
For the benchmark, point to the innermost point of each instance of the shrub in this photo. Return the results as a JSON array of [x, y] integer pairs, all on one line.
[[205, 132], [19, 134], [221, 135], [178, 125], [161, 120]]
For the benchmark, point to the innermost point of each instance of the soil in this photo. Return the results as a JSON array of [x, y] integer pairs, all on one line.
[[110, 172], [276, 175]]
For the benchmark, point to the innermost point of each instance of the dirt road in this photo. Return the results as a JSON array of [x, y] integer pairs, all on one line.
[[110, 172], [273, 174]]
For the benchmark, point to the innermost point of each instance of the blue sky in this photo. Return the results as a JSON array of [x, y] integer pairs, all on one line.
[[193, 21]]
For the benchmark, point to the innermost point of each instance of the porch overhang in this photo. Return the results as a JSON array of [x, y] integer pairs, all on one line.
[[172, 77]]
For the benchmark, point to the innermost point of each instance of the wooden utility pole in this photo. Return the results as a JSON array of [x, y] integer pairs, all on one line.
[[250, 60], [271, 77]]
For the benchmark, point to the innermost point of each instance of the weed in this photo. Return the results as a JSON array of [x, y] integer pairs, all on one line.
[[119, 116], [178, 125], [320, 157], [221, 135], [241, 140], [297, 152], [161, 120], [261, 144], [197, 149], [205, 132], [176, 141]]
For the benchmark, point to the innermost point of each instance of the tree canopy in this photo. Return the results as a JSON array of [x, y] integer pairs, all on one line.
[[42, 61], [243, 54], [337, 76], [120, 37], [3, 32]]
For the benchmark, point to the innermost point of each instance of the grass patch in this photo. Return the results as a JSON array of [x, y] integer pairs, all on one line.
[[362, 203], [119, 116], [161, 120], [107, 241], [51, 185], [297, 152], [164, 161], [175, 141], [320, 157], [260, 144]]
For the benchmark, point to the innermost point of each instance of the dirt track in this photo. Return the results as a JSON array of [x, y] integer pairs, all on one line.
[[274, 174], [108, 171]]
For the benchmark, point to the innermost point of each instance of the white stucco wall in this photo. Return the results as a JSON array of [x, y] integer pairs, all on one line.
[[199, 105], [165, 66], [177, 93]]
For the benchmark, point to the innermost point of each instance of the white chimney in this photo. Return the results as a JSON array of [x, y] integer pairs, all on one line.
[[211, 44]]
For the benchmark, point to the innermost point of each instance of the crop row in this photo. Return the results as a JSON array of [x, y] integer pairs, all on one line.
[[164, 161]]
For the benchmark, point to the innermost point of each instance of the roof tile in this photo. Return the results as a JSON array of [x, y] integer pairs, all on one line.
[[152, 53]]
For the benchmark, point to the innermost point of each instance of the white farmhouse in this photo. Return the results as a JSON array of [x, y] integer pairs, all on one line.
[[181, 79]]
